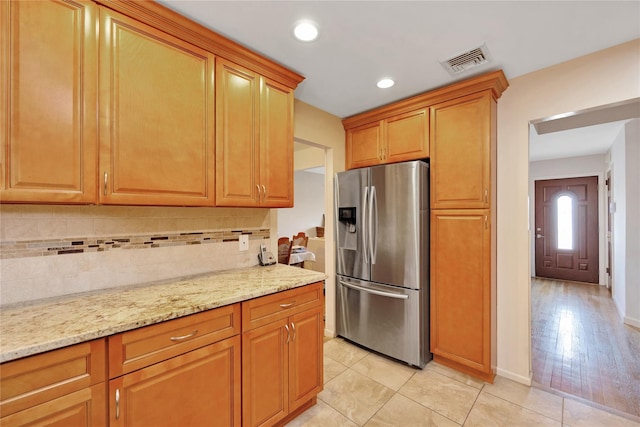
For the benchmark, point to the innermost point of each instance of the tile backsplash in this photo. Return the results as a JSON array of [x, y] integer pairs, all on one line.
[[48, 251]]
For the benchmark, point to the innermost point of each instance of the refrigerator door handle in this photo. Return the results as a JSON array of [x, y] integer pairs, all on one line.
[[373, 224], [373, 291], [365, 234]]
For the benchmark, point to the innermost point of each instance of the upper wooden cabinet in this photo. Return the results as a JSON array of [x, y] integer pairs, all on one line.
[[399, 138], [48, 136], [254, 139], [156, 116], [148, 138], [461, 134]]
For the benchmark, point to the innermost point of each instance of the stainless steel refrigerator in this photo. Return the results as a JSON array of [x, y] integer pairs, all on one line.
[[382, 266]]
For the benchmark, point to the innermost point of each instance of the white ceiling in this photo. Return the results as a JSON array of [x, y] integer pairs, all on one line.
[[363, 41]]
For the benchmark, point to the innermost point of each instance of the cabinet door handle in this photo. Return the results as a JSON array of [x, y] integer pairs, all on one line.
[[104, 190], [288, 334], [258, 187], [293, 326], [117, 403], [486, 222], [264, 192], [486, 195], [184, 337]]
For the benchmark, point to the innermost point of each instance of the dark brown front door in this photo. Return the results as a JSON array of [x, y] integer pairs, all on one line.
[[566, 230]]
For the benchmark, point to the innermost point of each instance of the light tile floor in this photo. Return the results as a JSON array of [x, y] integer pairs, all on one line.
[[362, 388]]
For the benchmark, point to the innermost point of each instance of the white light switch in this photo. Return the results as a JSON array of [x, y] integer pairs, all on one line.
[[244, 242]]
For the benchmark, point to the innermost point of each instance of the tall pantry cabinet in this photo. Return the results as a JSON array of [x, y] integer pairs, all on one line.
[[458, 122], [463, 182]]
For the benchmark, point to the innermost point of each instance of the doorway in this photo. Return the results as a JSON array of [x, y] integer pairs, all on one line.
[[566, 229]]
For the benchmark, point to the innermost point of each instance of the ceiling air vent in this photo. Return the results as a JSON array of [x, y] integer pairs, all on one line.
[[467, 60]]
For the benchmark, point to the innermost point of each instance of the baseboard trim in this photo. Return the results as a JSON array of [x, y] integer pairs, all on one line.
[[631, 321], [329, 333], [515, 377]]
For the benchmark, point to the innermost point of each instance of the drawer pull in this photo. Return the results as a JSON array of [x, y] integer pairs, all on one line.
[[184, 337], [287, 305]]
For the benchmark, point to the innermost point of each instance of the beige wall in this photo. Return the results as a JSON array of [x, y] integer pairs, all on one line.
[[601, 78], [321, 129]]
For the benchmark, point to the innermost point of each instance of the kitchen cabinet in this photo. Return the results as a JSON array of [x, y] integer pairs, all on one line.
[[254, 139], [156, 116], [462, 291], [60, 387], [402, 137], [282, 362], [463, 240], [48, 142], [186, 370], [462, 131]]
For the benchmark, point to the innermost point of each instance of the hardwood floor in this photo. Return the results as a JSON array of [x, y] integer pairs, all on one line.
[[580, 345]]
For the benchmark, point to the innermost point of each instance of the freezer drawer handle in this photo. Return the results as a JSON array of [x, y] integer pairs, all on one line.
[[373, 291]]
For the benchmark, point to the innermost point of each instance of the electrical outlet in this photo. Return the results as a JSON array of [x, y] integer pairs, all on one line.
[[244, 242]]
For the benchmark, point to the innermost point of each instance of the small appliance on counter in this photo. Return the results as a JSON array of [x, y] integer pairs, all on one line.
[[265, 257]]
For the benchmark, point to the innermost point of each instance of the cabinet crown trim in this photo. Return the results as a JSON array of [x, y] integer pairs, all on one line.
[[494, 81]]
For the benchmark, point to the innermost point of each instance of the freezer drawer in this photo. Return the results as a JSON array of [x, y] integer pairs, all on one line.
[[386, 319]]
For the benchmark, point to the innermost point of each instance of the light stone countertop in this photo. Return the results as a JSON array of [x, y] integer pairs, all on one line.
[[39, 326]]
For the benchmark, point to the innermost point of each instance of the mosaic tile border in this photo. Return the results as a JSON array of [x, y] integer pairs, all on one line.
[[35, 248]]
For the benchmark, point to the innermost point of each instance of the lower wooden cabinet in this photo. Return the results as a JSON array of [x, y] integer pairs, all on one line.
[[197, 370], [198, 388], [64, 387], [462, 305], [282, 362]]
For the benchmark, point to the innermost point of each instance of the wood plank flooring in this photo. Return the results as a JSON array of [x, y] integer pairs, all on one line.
[[581, 346]]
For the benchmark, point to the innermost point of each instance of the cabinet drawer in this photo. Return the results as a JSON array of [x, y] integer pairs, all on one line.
[[263, 310], [37, 379], [136, 349]]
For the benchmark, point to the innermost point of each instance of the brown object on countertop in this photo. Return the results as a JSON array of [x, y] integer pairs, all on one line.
[[319, 231]]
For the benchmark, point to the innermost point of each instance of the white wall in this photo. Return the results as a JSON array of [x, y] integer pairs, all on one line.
[[308, 208], [601, 78], [595, 165], [625, 173]]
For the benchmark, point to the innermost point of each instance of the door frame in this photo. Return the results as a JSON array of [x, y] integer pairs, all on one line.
[[602, 217]]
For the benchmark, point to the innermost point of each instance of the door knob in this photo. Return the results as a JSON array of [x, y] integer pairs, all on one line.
[[539, 236]]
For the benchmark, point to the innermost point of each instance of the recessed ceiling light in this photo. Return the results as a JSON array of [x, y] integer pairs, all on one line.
[[385, 83], [305, 31]]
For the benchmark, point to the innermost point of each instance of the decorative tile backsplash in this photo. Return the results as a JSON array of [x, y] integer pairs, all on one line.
[[35, 248], [51, 250]]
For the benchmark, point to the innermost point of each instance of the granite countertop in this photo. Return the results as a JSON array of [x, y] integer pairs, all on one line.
[[39, 326]]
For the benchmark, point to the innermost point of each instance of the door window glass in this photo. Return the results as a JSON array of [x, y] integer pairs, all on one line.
[[565, 222]]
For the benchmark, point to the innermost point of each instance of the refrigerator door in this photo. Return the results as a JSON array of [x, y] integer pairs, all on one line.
[[386, 319], [400, 224], [351, 194]]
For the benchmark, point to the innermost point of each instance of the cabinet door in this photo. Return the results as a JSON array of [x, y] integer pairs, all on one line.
[[276, 145], [48, 140], [156, 116], [265, 374], [462, 131], [305, 356], [364, 146], [237, 104], [199, 388], [407, 137], [86, 407], [461, 288]]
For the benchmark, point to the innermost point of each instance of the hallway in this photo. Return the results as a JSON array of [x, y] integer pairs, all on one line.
[[581, 347]]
